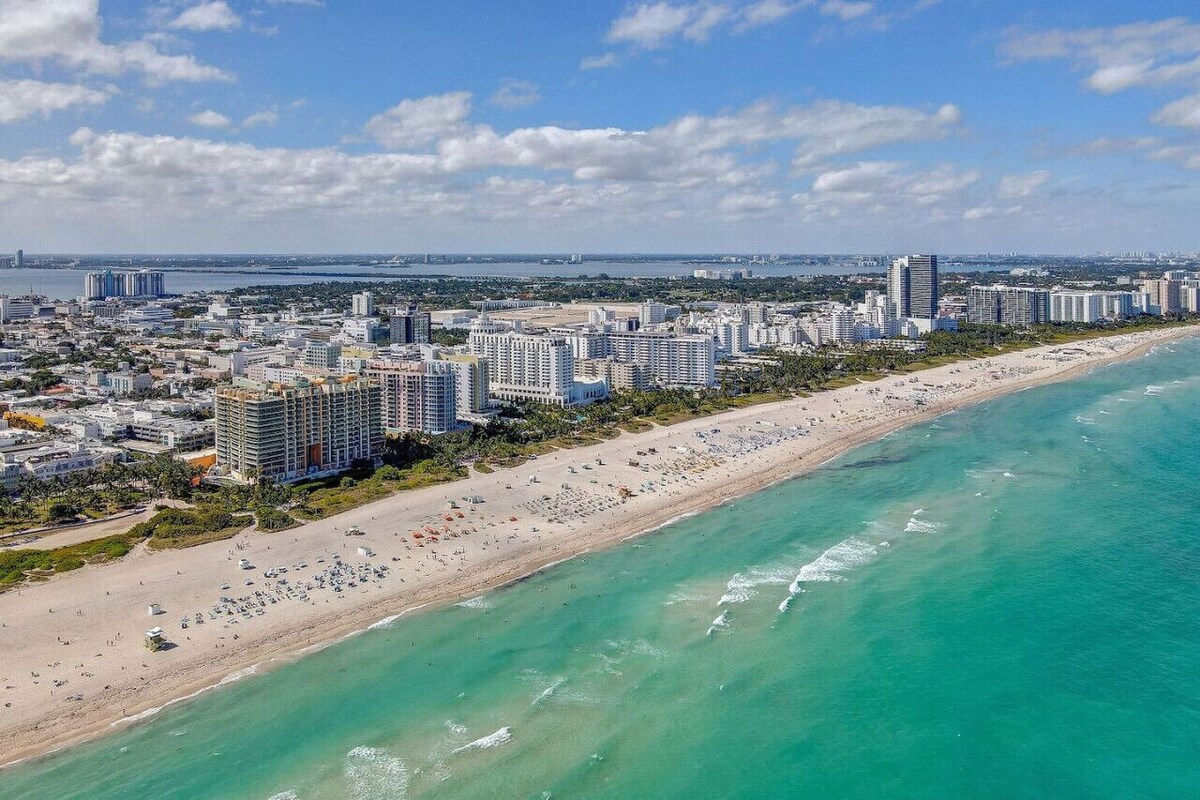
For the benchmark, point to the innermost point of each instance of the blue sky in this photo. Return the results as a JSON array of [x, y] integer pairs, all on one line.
[[713, 126]]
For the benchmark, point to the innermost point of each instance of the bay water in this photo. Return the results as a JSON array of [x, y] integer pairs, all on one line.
[[1004, 602]]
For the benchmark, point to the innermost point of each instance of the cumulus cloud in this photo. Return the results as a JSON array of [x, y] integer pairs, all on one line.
[[215, 15], [515, 94], [26, 98], [67, 32], [210, 119], [1021, 185], [415, 123]]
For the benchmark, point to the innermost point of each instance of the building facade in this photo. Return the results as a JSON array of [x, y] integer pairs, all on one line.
[[287, 433], [913, 286], [1008, 305], [522, 367], [416, 395], [410, 325]]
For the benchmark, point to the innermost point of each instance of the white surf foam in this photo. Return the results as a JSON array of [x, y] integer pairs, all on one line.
[[500, 737], [456, 727], [375, 773], [718, 623], [829, 566], [481, 602], [150, 712], [744, 585], [548, 691]]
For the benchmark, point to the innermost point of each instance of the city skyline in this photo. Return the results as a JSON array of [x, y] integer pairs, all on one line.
[[231, 126]]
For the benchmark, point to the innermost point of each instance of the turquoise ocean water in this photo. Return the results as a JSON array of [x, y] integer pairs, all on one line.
[[1031, 628]]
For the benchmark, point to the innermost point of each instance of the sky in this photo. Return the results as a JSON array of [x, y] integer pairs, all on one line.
[[766, 126]]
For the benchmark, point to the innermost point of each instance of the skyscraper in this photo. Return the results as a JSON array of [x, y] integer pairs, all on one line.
[[19, 261], [913, 286], [409, 325]]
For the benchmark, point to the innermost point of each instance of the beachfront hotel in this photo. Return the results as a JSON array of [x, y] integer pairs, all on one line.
[[539, 369], [291, 432]]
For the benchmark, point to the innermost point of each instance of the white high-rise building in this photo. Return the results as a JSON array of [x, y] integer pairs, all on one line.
[[652, 313], [522, 367], [362, 304]]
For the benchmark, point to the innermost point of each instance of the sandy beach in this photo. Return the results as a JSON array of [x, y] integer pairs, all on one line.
[[74, 665]]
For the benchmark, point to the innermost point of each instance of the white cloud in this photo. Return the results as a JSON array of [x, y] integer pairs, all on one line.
[[26, 98], [414, 123], [1021, 185], [1106, 145], [990, 212], [215, 15], [1186, 156], [1141, 54], [67, 32], [210, 119], [1182, 113], [514, 94], [653, 25], [261, 118], [846, 11], [766, 12], [599, 62]]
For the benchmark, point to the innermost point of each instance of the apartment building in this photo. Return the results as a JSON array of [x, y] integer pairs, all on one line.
[[289, 432]]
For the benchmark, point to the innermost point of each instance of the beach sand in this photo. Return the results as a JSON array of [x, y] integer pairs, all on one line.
[[74, 665]]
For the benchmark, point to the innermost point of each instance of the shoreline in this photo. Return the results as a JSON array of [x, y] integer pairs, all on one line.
[[187, 673]]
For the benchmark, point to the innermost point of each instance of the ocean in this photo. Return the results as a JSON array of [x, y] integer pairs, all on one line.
[[1003, 602]]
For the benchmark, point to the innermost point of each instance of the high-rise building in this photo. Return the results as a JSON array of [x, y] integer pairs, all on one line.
[[913, 286], [1087, 307], [688, 361], [143, 283], [409, 325], [652, 313], [1164, 294], [472, 383], [522, 367], [417, 395], [19, 261], [362, 304], [287, 433], [1008, 305]]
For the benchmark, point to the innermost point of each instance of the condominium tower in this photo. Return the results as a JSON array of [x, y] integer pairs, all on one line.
[[913, 287], [1008, 305], [416, 395], [287, 432]]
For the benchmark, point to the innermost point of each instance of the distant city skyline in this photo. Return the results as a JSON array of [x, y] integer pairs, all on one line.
[[757, 126]]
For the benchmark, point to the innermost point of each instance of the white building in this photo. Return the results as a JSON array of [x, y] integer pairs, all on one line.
[[540, 369], [362, 304]]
